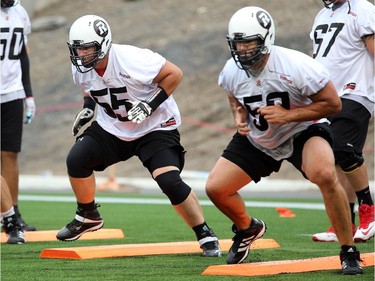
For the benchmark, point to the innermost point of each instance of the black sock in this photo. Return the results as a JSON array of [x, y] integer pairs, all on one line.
[[364, 197], [352, 212], [346, 248], [87, 206], [16, 210], [202, 230]]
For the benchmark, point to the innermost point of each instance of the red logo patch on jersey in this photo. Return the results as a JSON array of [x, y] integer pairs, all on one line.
[[350, 86], [170, 122]]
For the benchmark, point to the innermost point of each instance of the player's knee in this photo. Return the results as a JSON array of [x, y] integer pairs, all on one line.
[[215, 191], [76, 166], [349, 161], [173, 186], [323, 176]]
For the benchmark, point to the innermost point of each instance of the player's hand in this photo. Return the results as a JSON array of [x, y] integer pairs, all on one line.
[[82, 118], [241, 121], [29, 110], [139, 112], [274, 114]]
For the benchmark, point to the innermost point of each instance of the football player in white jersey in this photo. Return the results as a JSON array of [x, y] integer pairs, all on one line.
[[15, 93], [343, 38], [136, 116], [279, 99]]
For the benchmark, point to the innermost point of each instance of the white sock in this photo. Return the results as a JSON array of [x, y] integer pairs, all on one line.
[[8, 213]]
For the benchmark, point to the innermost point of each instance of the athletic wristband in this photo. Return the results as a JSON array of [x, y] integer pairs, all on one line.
[[157, 99], [89, 103]]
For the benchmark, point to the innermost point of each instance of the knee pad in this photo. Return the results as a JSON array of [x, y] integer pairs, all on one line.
[[349, 161], [173, 186], [76, 166]]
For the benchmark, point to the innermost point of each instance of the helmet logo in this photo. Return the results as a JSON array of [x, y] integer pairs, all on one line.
[[264, 19], [100, 28]]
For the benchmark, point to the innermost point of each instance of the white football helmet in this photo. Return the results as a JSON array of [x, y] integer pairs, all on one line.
[[246, 25], [89, 31]]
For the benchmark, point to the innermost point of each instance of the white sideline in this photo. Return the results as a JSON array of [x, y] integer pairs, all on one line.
[[195, 179], [116, 200]]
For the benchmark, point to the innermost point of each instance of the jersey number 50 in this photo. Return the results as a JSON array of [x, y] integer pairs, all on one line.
[[15, 44]]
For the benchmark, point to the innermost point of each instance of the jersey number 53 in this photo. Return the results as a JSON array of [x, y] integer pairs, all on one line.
[[274, 98]]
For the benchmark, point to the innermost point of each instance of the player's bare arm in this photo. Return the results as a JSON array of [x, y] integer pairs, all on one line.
[[369, 42], [239, 115], [169, 77], [325, 103]]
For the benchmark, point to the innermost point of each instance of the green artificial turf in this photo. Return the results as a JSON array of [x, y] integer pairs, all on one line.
[[151, 223]]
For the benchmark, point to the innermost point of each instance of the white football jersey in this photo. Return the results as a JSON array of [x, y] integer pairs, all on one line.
[[288, 79], [128, 77], [338, 45], [15, 25]]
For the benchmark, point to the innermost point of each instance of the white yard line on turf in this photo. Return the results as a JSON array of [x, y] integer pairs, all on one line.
[[309, 206], [195, 179]]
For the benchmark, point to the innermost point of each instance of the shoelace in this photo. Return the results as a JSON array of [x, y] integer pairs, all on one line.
[[351, 260], [74, 224], [350, 263], [210, 245], [242, 239]]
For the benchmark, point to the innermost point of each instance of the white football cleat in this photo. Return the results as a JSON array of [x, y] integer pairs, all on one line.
[[329, 235]]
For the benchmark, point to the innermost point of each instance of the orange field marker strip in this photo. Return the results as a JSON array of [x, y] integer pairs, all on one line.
[[50, 235], [285, 266], [128, 250]]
